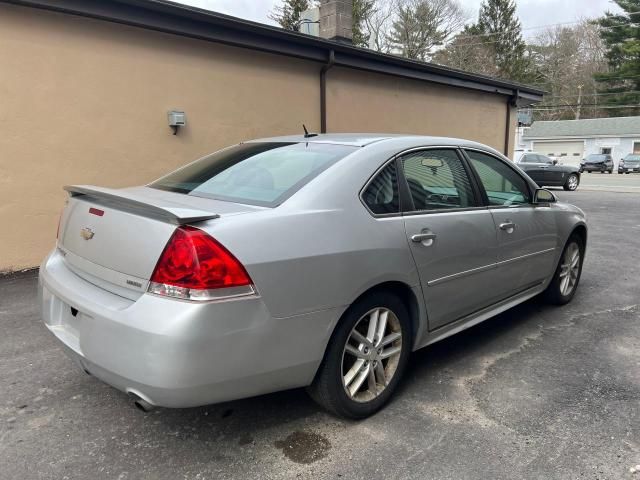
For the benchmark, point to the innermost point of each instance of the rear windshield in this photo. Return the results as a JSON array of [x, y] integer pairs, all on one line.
[[263, 174]]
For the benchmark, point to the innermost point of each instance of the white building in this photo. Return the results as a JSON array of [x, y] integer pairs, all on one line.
[[572, 140]]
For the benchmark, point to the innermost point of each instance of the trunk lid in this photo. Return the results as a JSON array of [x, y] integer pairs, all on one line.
[[113, 238]]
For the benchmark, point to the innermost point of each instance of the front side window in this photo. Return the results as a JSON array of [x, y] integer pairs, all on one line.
[[255, 173], [381, 195], [437, 180], [502, 184]]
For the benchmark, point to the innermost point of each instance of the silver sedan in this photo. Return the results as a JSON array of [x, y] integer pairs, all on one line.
[[319, 261]]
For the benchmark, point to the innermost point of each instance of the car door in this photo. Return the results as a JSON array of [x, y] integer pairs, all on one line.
[[527, 233], [536, 170], [551, 174], [451, 234]]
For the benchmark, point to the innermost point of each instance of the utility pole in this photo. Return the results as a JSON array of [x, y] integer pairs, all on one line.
[[579, 102]]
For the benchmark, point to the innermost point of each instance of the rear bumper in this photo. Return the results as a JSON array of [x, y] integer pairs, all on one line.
[[180, 354]]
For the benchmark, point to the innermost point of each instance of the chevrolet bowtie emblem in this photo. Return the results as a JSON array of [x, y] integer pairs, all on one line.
[[87, 233]]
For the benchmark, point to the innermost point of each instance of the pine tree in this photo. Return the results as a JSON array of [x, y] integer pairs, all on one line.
[[421, 25], [621, 36], [500, 30], [288, 13]]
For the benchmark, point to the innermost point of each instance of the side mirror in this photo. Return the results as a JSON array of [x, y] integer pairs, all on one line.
[[555, 161], [543, 195]]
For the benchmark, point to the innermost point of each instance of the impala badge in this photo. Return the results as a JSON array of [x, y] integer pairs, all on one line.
[[87, 233]]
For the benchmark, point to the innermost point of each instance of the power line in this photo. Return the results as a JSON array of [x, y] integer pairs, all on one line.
[[622, 77], [597, 106], [515, 30], [489, 42], [563, 105], [593, 94], [559, 24]]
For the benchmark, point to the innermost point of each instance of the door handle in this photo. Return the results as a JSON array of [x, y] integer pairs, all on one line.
[[508, 226], [426, 238]]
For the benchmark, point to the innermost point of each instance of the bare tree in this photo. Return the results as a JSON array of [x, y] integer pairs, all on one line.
[[419, 26], [378, 24], [566, 58], [470, 52]]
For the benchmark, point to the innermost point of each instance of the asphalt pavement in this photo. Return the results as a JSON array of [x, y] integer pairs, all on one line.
[[628, 182], [538, 392]]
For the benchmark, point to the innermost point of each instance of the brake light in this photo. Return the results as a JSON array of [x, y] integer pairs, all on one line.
[[194, 266]]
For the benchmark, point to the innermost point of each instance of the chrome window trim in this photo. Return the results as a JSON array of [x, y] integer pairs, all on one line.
[[413, 213], [511, 165], [473, 181]]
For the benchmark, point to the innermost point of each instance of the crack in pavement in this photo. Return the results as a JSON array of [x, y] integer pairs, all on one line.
[[464, 407]]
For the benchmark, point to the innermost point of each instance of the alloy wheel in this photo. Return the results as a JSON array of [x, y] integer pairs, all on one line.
[[569, 269], [572, 183], [371, 354]]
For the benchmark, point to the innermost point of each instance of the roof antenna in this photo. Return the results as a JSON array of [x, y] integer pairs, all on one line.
[[306, 132]]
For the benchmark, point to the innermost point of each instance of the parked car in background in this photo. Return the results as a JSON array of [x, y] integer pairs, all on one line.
[[547, 171], [629, 164], [597, 162], [319, 261]]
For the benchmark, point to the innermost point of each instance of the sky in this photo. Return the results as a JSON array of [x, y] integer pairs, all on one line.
[[532, 13]]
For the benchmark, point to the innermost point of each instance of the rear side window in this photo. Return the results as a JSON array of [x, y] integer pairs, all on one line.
[[502, 184], [437, 180], [263, 174], [381, 195]]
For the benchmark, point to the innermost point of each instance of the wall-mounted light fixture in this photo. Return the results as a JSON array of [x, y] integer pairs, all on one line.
[[177, 119]]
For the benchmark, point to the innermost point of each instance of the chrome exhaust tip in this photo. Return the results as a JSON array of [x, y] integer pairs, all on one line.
[[141, 403]]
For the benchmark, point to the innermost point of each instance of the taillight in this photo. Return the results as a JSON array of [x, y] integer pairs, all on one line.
[[194, 266]]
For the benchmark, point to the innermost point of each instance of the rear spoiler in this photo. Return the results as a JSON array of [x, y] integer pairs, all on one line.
[[140, 205]]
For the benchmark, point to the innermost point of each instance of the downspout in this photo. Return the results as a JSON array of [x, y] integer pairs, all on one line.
[[323, 91], [511, 102]]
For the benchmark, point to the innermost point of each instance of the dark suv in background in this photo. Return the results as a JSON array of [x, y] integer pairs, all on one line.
[[630, 163], [597, 162]]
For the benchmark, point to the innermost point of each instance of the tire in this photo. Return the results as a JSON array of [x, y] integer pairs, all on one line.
[[555, 293], [328, 388], [572, 182]]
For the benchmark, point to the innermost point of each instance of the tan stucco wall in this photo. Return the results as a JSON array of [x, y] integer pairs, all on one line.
[[383, 103], [85, 101]]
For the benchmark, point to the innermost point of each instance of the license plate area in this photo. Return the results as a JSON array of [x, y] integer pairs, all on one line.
[[63, 320]]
